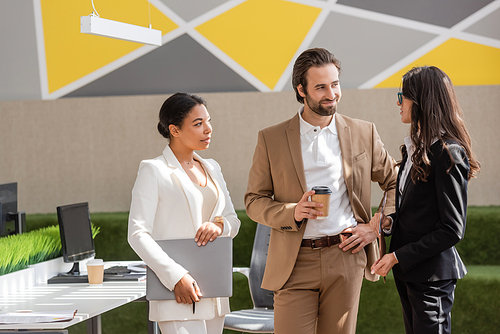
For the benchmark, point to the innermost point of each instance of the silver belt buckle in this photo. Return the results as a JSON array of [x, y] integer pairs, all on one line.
[[313, 246]]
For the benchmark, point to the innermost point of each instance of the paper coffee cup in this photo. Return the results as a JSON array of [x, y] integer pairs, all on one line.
[[95, 271], [322, 195]]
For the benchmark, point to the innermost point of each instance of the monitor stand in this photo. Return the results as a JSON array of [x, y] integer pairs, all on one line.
[[72, 276]]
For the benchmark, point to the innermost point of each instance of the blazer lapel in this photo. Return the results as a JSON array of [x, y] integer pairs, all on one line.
[[344, 132], [295, 147], [186, 184]]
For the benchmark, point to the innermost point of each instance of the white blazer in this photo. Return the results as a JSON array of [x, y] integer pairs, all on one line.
[[166, 205]]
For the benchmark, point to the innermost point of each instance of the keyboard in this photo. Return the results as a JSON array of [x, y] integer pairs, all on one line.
[[115, 273]]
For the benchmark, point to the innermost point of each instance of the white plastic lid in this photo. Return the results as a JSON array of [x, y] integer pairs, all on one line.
[[95, 262]]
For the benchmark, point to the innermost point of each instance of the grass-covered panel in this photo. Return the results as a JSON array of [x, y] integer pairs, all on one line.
[[243, 242], [19, 251], [477, 301], [482, 236], [113, 247]]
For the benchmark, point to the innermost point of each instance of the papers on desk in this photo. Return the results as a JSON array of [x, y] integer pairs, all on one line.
[[137, 268], [36, 317]]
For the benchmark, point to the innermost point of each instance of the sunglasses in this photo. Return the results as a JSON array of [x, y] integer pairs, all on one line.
[[400, 98]]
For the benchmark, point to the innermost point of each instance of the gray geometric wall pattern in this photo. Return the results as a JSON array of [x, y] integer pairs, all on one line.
[[374, 39]]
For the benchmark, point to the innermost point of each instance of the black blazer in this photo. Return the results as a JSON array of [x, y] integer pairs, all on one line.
[[430, 219]]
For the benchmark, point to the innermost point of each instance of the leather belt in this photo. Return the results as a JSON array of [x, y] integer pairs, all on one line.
[[322, 242]]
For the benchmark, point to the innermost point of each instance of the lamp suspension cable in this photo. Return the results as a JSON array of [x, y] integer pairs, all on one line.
[[149, 13], [94, 13]]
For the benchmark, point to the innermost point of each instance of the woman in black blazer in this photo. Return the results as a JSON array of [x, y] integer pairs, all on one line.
[[431, 202]]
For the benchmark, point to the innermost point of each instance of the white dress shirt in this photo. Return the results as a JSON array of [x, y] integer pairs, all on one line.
[[323, 167], [410, 149], [405, 171]]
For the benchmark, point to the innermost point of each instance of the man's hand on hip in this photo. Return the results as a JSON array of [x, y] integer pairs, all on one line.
[[362, 235]]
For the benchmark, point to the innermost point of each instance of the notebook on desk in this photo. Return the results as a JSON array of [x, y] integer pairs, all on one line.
[[210, 265]]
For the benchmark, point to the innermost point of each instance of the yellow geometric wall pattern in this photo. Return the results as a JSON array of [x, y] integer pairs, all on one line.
[[71, 55], [242, 45], [465, 63], [261, 35]]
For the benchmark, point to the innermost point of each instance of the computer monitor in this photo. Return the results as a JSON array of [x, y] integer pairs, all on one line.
[[11, 221], [76, 234], [78, 244]]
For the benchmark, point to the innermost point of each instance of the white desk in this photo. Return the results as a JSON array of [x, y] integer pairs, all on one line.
[[90, 301]]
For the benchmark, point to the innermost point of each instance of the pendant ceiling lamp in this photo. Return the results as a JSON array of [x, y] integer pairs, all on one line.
[[95, 25]]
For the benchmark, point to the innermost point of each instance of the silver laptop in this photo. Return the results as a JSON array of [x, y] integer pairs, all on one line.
[[210, 265]]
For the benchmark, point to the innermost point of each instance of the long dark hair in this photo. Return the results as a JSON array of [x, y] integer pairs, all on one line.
[[435, 114], [175, 109]]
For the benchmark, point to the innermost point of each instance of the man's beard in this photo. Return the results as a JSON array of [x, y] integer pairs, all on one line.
[[319, 109]]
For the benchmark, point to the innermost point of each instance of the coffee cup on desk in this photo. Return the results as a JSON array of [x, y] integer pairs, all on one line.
[[322, 195], [95, 271]]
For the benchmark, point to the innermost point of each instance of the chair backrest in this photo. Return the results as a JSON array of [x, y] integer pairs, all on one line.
[[261, 298]]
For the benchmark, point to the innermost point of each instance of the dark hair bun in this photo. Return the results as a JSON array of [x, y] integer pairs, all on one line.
[[163, 131]]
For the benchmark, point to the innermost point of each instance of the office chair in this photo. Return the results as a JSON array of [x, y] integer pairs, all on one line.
[[260, 319]]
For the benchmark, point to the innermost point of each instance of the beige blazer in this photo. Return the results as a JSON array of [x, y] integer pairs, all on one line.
[[277, 182], [166, 205]]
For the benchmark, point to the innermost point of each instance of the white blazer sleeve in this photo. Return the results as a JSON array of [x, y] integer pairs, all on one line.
[[141, 224]]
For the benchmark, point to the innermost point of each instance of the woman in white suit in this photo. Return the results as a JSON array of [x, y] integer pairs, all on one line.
[[180, 195]]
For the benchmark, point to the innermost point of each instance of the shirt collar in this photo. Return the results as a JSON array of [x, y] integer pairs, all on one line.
[[410, 148], [306, 127]]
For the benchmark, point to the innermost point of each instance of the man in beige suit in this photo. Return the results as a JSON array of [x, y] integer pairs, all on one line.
[[316, 275]]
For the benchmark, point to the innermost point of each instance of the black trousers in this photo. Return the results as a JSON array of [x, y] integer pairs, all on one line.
[[427, 306]]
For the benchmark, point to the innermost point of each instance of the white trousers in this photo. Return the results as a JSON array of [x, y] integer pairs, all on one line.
[[212, 326]]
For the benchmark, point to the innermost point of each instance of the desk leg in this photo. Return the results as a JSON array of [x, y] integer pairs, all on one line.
[[94, 325], [153, 327]]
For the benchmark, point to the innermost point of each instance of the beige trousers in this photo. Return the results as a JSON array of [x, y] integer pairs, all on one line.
[[322, 294]]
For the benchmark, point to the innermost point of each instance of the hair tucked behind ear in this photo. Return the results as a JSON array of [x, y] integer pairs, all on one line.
[[435, 114], [175, 109]]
